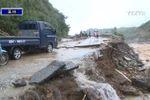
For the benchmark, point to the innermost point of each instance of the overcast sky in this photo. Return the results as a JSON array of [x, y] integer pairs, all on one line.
[[85, 14]]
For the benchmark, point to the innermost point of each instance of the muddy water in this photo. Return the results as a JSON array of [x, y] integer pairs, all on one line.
[[144, 53]]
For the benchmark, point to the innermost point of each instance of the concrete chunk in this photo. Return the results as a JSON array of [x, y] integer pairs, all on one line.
[[69, 66], [47, 72]]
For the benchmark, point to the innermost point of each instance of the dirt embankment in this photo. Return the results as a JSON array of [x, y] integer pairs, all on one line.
[[119, 65]]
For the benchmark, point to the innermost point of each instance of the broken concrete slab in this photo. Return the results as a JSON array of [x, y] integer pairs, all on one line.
[[69, 66], [47, 72], [87, 45]]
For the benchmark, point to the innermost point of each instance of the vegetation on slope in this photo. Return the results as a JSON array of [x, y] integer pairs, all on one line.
[[33, 10]]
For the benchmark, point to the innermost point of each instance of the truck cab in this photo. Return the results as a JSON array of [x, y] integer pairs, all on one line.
[[39, 29]]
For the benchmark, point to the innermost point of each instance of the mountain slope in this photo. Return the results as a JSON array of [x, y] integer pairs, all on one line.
[[144, 28]]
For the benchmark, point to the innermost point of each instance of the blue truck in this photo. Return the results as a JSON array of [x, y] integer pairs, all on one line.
[[32, 35]]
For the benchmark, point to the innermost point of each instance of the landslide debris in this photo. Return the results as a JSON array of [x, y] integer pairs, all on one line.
[[120, 65], [115, 63]]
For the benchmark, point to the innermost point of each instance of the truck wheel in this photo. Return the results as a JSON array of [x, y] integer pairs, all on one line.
[[16, 54], [4, 59], [49, 47]]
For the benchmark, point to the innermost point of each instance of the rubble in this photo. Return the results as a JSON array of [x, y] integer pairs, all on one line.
[[47, 72], [112, 74], [119, 63], [20, 82], [53, 69], [64, 88], [143, 83], [129, 90]]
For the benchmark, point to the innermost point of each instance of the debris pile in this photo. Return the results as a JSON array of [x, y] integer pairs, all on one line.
[[119, 55], [113, 70], [120, 66], [54, 82]]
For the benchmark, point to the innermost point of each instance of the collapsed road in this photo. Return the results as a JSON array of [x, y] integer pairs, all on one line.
[[33, 62], [105, 74]]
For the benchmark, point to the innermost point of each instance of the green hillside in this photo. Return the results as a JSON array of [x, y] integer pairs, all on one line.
[[33, 10], [146, 26], [141, 33]]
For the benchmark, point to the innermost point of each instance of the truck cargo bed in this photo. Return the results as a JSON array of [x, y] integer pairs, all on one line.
[[15, 40]]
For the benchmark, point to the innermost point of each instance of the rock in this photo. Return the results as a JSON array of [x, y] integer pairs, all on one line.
[[128, 90], [90, 72], [147, 66], [127, 58], [19, 82], [147, 69], [123, 64], [137, 52], [147, 72], [57, 95], [49, 96], [101, 91], [141, 69], [140, 64], [141, 83], [147, 60], [47, 72], [96, 55], [92, 95]]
